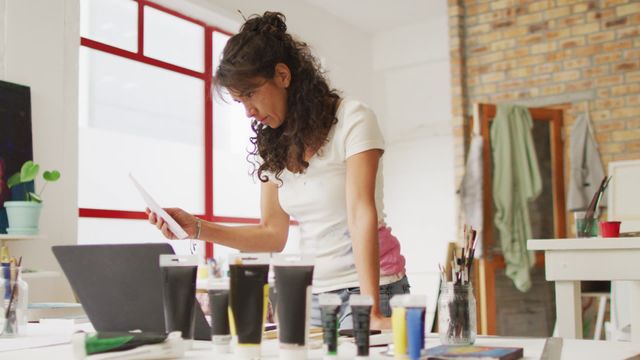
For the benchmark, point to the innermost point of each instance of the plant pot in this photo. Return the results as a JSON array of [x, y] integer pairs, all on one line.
[[24, 217]]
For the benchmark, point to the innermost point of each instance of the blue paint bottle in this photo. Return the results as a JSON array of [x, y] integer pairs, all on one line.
[[415, 312]]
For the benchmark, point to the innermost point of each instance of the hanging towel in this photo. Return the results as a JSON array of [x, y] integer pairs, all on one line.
[[516, 182], [586, 167], [471, 191]]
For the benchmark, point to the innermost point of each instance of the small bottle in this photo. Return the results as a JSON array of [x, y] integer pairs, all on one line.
[[457, 314], [14, 293]]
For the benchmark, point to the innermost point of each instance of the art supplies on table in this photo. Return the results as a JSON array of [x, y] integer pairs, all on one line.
[[460, 266], [361, 316], [592, 209], [408, 314], [248, 301], [329, 309], [475, 352], [399, 325], [610, 229], [178, 274], [294, 276], [127, 345], [457, 320], [416, 310], [219, 310], [457, 304], [14, 293]]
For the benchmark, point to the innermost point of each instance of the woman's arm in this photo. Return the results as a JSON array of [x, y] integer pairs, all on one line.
[[268, 236], [363, 226]]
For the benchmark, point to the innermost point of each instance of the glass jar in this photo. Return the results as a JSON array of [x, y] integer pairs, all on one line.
[[457, 314], [586, 227], [14, 294]]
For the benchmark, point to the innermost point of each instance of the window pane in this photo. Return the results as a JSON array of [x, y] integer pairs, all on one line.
[[293, 245], [113, 22], [127, 231], [173, 40], [219, 40], [141, 119], [235, 192]]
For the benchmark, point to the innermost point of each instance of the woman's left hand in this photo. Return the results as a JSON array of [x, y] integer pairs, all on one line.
[[379, 322]]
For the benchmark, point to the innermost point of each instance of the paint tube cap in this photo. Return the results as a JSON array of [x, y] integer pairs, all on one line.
[[244, 351], [289, 353], [78, 344], [415, 301], [221, 348], [329, 299], [398, 301], [178, 260]]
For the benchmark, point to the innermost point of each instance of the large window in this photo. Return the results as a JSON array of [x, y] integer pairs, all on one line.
[[147, 108]]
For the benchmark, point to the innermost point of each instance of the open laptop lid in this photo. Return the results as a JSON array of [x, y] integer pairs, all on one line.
[[120, 285]]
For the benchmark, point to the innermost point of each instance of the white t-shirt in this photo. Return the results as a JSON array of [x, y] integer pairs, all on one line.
[[317, 198]]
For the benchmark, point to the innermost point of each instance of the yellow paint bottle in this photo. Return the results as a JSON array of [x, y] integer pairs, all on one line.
[[399, 326]]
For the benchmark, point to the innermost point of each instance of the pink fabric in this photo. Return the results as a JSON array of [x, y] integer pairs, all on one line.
[[391, 261]]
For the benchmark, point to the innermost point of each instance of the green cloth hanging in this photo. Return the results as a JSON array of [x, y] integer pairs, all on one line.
[[516, 182]]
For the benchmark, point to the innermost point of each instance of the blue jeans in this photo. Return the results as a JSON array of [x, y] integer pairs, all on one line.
[[386, 293]]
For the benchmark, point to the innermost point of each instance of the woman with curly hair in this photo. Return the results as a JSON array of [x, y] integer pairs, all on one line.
[[317, 155]]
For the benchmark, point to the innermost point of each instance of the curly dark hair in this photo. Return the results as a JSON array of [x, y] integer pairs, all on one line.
[[249, 58]]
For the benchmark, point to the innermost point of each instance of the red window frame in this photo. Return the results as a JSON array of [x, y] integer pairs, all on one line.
[[207, 77]]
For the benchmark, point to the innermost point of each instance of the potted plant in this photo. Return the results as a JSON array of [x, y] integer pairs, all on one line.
[[24, 215]]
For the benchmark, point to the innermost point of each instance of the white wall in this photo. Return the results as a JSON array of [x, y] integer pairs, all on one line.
[[412, 99], [41, 51], [345, 51]]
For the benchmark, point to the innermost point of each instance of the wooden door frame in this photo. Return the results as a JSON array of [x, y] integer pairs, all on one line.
[[494, 262]]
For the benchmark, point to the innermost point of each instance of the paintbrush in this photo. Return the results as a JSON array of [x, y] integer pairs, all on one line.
[[14, 288], [593, 205]]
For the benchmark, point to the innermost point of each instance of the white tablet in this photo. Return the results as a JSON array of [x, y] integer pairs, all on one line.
[[175, 228]]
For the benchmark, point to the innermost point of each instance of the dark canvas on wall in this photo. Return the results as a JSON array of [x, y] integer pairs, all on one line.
[[15, 137]]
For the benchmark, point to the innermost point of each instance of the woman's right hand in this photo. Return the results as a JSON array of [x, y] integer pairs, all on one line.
[[183, 218]]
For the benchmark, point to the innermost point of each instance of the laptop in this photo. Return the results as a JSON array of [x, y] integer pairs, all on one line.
[[120, 286]]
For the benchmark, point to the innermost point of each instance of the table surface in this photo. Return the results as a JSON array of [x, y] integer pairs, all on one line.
[[533, 347], [593, 243]]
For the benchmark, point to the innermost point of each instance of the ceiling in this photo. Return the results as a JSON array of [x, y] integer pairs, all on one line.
[[376, 15]]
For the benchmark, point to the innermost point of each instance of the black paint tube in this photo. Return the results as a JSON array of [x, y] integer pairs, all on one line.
[[248, 300], [361, 314], [219, 306], [179, 292], [294, 275], [329, 308]]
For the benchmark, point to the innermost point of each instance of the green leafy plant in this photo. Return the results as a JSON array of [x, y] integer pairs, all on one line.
[[28, 172]]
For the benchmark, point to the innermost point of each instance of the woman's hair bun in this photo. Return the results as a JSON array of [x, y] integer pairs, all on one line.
[[270, 23]]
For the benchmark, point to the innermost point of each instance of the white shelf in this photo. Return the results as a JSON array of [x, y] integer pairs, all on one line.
[[40, 274], [12, 237], [21, 237], [592, 243]]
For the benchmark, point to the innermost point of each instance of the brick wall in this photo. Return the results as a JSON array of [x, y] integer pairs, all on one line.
[[557, 50]]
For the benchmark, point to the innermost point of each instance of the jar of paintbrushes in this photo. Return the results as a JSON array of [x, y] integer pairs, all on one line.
[[13, 296], [457, 302], [457, 314]]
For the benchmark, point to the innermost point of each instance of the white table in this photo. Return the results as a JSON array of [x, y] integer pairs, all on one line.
[[533, 347], [569, 261]]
